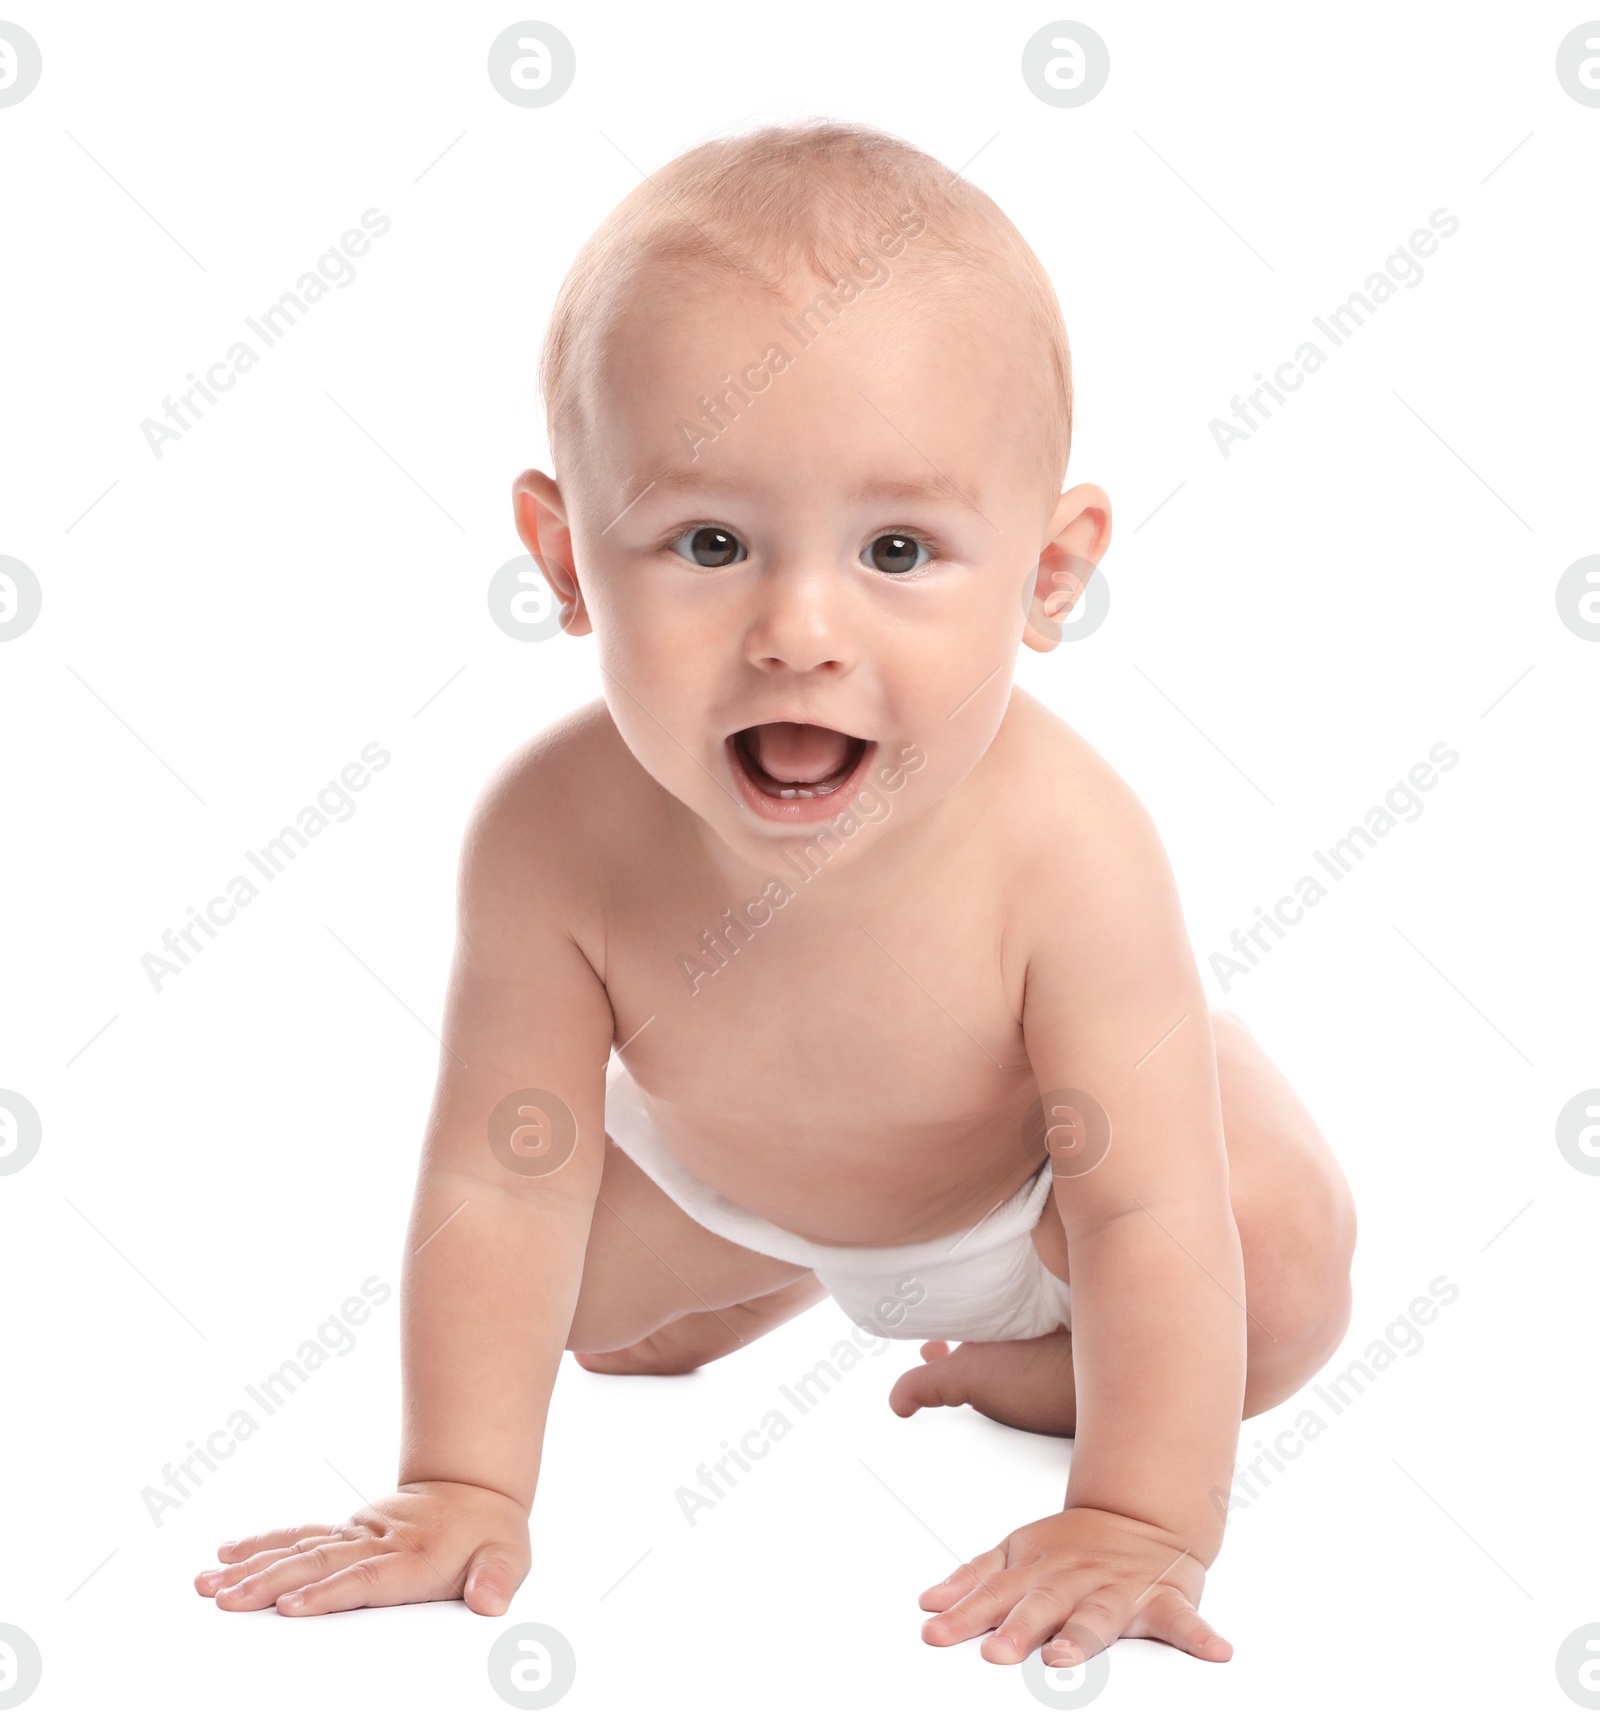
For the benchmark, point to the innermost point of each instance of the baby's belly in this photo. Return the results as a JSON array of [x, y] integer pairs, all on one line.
[[858, 1183]]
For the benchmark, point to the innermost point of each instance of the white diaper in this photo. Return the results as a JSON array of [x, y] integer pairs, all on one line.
[[984, 1283]]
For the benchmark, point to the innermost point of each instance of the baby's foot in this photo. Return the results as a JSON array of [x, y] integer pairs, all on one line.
[[1026, 1384]]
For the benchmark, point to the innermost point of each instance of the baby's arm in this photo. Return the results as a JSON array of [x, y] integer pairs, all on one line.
[[1114, 1009], [493, 1257]]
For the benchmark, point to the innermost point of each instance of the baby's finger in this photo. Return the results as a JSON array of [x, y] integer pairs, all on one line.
[[231, 1551], [493, 1576], [1166, 1616], [1091, 1626], [1038, 1616], [294, 1570], [962, 1580], [390, 1579], [976, 1612], [211, 1582]]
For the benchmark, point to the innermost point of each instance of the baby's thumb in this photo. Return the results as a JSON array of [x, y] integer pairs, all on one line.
[[494, 1574]]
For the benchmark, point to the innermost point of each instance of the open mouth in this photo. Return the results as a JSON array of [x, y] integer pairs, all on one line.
[[797, 771]]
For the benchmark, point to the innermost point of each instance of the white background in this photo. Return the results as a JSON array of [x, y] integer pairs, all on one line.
[[225, 1161]]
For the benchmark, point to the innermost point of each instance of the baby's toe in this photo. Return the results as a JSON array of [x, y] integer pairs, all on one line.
[[935, 1384]]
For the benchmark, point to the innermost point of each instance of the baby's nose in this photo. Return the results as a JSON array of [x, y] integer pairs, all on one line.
[[802, 621]]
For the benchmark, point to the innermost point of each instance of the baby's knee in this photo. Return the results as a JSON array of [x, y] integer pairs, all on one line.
[[1313, 1315], [610, 1315], [1298, 1246]]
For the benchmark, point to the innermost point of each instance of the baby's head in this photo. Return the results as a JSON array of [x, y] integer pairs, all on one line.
[[810, 404]]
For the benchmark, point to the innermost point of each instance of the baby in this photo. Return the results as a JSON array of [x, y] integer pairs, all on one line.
[[816, 959]]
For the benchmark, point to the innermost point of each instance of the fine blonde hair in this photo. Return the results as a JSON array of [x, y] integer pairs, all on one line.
[[768, 204]]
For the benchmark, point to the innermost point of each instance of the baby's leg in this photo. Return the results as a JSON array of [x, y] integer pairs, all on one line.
[[1296, 1230], [661, 1293]]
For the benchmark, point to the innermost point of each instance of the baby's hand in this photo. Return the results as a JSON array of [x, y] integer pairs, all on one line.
[[431, 1541], [1101, 1575]]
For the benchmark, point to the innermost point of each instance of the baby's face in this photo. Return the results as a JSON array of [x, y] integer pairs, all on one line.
[[817, 608]]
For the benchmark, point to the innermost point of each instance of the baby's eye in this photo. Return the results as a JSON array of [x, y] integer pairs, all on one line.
[[709, 546], [896, 554]]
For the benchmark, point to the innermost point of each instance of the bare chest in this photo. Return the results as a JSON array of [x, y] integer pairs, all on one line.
[[852, 1068]]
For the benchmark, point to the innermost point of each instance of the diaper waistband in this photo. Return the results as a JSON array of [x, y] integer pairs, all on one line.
[[629, 1123]]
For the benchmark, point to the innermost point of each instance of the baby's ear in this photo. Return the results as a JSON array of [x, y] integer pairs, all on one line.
[[541, 517], [1080, 532], [1054, 588]]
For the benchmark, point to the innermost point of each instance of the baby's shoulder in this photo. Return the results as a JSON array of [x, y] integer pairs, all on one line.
[[1070, 809], [1086, 866], [555, 804]]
